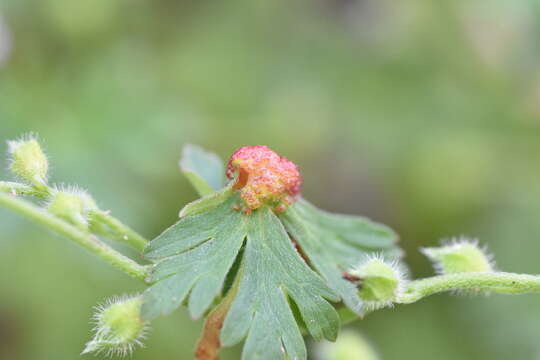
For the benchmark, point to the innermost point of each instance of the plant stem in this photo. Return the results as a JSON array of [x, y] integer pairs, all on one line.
[[20, 189], [497, 282], [120, 232], [87, 240]]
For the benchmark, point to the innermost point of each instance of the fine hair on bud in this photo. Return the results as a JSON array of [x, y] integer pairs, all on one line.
[[380, 282], [71, 204], [27, 160], [460, 255], [119, 328]]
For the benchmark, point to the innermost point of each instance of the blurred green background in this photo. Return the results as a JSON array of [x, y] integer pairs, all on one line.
[[422, 114]]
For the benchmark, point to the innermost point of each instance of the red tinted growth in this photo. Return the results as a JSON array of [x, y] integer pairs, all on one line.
[[264, 177]]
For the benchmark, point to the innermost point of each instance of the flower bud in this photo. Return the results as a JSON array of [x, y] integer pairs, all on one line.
[[72, 205], [28, 161], [119, 327], [348, 346], [380, 282], [458, 257]]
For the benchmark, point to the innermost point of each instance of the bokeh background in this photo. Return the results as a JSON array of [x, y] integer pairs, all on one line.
[[422, 114]]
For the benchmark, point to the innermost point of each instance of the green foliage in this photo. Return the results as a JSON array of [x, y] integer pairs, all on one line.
[[336, 243], [456, 151], [273, 272], [194, 257], [263, 275]]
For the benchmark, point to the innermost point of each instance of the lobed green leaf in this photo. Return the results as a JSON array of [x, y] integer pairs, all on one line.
[[193, 257], [335, 243], [274, 274], [276, 284]]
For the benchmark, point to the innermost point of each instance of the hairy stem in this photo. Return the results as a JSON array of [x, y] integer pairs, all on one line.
[[20, 189], [119, 231], [496, 282], [85, 239]]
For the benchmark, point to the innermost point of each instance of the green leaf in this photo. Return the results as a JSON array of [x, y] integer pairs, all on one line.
[[193, 257], [274, 274], [276, 287], [334, 243], [208, 202], [205, 170]]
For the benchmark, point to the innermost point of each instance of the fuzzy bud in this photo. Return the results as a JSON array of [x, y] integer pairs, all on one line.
[[380, 283], [119, 327], [458, 257], [28, 161], [264, 177], [72, 205]]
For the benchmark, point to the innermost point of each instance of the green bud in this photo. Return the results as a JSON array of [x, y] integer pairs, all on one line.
[[28, 161], [348, 346], [119, 327], [458, 257], [72, 205], [380, 283]]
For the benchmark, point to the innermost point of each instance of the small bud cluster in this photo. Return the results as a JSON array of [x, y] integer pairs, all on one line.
[[119, 327], [460, 256], [264, 177], [28, 161], [380, 282]]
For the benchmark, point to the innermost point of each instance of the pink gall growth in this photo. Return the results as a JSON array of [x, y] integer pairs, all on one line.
[[264, 177]]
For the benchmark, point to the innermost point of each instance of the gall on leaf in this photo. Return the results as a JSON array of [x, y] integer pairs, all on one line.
[[264, 177], [285, 257]]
